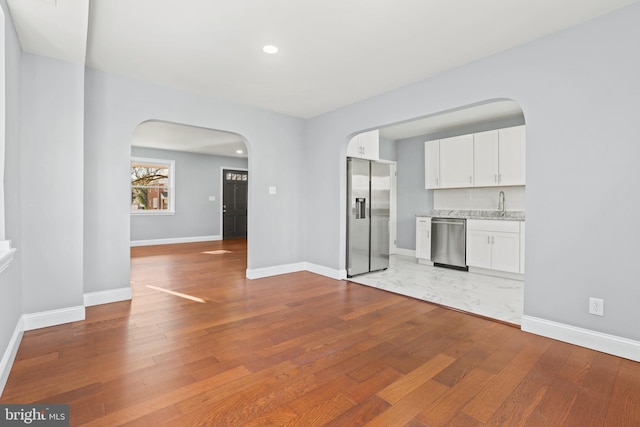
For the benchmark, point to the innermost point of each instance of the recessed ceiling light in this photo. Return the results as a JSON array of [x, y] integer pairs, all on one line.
[[239, 151], [270, 49]]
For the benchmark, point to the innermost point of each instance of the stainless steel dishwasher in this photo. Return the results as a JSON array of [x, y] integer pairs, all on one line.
[[448, 242]]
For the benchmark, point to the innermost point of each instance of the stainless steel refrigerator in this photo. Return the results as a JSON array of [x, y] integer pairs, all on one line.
[[368, 200]]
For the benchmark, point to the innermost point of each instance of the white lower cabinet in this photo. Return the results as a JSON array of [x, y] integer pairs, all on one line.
[[423, 238], [522, 247], [478, 248], [494, 245]]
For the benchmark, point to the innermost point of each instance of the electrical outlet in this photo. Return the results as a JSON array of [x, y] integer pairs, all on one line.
[[596, 306]]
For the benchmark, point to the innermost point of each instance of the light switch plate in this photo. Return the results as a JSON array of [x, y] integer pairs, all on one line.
[[272, 190], [212, 198]]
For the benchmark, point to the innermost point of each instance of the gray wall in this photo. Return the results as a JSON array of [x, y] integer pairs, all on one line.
[[51, 187], [387, 149], [197, 177], [115, 106], [413, 198], [579, 91], [11, 278]]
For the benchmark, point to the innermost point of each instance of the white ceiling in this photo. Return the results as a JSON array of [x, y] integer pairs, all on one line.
[[53, 28], [332, 52]]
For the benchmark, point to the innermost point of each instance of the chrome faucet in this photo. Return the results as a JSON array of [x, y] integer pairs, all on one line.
[[501, 203]]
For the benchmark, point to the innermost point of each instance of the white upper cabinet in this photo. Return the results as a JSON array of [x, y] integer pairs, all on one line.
[[365, 145], [484, 159], [432, 164], [456, 162], [512, 156]]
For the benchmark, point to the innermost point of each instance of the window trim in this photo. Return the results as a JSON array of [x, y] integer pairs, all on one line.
[[171, 184]]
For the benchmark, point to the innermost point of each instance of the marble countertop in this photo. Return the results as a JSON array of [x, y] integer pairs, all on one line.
[[475, 214]]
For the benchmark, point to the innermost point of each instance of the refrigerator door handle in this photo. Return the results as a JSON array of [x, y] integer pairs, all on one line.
[[361, 208]]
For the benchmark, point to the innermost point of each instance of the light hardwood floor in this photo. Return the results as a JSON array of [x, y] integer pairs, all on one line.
[[201, 345]]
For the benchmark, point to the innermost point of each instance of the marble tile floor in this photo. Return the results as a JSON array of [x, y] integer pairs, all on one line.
[[488, 296]]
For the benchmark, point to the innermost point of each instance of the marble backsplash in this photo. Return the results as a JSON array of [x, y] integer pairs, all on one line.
[[480, 198]]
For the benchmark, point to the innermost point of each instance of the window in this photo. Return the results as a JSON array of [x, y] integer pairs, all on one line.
[[236, 176], [152, 190], [7, 253]]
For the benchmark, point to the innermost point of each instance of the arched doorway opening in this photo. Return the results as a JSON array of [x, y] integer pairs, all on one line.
[[179, 176], [407, 144], [177, 181]]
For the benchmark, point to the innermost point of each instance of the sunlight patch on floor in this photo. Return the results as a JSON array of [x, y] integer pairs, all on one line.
[[178, 294]]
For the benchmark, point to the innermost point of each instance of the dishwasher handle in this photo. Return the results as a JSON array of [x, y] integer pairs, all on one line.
[[454, 222]]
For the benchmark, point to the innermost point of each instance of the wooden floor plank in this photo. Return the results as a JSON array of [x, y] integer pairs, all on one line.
[[445, 407], [414, 379], [624, 408], [487, 401], [200, 344]]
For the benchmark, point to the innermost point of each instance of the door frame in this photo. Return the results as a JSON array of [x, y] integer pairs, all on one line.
[[222, 168]]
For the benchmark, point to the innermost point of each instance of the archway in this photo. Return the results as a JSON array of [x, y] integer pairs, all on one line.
[[177, 181], [405, 144]]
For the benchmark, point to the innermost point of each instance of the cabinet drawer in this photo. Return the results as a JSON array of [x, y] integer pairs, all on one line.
[[493, 225], [424, 221]]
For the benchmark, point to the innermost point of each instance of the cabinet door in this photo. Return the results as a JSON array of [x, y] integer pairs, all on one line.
[[423, 238], [370, 145], [512, 156], [456, 162], [353, 149], [478, 249], [485, 159], [432, 164], [522, 247], [505, 251]]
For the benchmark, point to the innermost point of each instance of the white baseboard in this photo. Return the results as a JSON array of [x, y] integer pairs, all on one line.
[[325, 271], [611, 344], [52, 317], [406, 252], [10, 354], [259, 273], [106, 297], [174, 240]]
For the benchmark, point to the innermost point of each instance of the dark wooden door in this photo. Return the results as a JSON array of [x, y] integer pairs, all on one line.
[[234, 203]]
